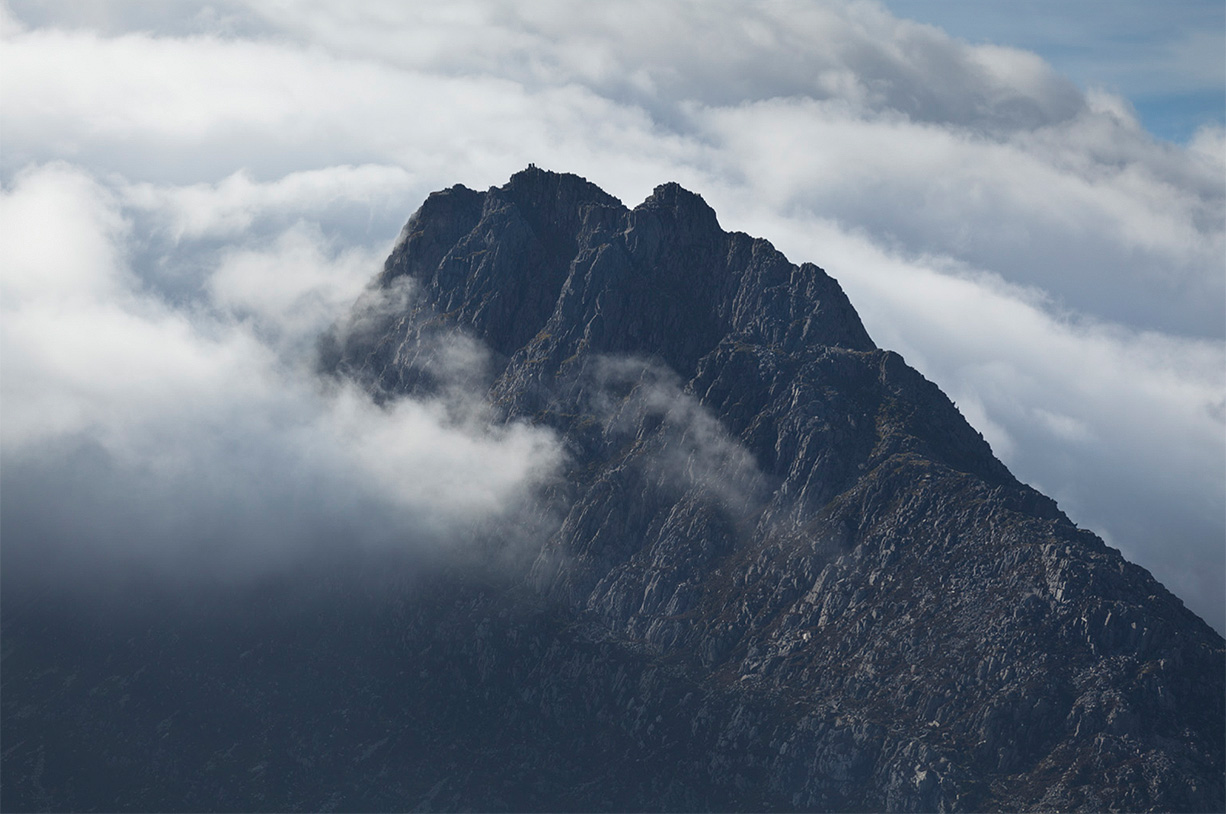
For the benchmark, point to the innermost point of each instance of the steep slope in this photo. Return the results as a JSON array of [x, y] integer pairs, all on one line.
[[761, 496]]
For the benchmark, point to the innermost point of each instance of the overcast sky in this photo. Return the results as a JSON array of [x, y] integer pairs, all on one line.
[[192, 191]]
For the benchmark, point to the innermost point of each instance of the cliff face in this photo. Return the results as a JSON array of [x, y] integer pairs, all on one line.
[[780, 572]]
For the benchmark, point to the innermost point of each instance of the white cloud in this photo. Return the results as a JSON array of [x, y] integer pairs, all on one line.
[[1209, 146], [1123, 239], [232, 206], [193, 402], [60, 236], [1135, 46], [1026, 245]]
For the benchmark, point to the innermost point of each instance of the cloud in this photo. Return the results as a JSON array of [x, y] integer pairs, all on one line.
[[233, 168], [1130, 45], [720, 53], [195, 436], [688, 450], [236, 205], [1109, 235]]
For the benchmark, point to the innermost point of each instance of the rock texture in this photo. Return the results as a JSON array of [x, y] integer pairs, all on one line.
[[784, 574]]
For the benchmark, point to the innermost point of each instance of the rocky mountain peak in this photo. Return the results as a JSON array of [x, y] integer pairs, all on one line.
[[795, 519], [552, 202], [662, 280], [777, 570], [681, 211]]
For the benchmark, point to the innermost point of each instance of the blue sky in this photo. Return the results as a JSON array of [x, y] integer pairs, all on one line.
[[1168, 58]]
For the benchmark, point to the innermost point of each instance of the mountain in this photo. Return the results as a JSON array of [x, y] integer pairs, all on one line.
[[779, 571]]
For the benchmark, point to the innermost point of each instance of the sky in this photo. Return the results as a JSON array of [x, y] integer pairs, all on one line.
[[1030, 208], [1166, 59]]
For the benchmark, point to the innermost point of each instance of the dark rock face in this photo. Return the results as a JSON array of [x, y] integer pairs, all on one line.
[[785, 573], [877, 613]]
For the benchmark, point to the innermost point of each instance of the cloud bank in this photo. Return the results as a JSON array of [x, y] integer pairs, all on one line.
[[191, 436], [190, 193]]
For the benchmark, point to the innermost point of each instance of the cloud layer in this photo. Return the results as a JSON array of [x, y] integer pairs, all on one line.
[[190, 194], [190, 433]]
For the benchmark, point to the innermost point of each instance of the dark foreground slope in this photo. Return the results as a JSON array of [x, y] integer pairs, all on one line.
[[780, 571]]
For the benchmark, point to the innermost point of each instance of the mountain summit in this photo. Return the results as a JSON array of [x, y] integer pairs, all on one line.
[[777, 570], [873, 612]]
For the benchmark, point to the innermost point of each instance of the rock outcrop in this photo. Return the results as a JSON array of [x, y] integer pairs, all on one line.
[[784, 573]]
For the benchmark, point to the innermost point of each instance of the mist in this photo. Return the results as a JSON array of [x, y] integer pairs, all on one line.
[[188, 435]]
